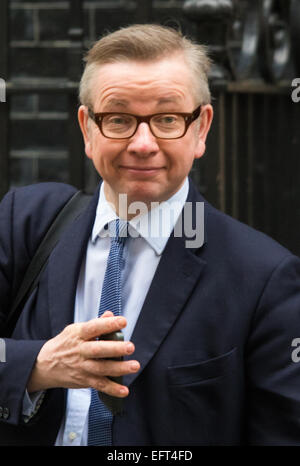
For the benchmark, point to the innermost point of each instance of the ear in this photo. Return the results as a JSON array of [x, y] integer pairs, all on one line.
[[83, 120], [206, 118]]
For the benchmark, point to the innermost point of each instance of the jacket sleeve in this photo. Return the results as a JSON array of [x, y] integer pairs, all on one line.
[[25, 216], [272, 374]]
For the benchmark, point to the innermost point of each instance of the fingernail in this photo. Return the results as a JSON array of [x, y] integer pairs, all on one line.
[[121, 321], [129, 348], [134, 366]]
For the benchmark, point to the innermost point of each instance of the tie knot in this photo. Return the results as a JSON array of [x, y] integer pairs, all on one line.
[[118, 230]]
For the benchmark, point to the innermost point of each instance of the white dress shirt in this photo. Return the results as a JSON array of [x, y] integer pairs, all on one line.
[[148, 235]]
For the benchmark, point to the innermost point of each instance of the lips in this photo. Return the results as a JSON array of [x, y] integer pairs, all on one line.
[[142, 168], [141, 172]]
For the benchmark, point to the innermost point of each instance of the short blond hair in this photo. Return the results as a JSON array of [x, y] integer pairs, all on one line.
[[147, 42]]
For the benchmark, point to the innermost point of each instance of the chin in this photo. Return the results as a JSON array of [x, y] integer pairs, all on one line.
[[144, 196], [142, 191]]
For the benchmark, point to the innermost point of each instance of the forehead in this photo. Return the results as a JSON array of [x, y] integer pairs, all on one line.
[[163, 82]]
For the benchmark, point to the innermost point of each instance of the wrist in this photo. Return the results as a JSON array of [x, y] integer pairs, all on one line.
[[39, 379]]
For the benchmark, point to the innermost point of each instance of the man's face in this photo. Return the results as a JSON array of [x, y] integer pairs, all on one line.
[[144, 167]]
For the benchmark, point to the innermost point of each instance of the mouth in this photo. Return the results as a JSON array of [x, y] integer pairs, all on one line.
[[141, 170]]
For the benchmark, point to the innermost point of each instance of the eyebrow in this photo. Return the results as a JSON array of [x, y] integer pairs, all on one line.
[[167, 100], [116, 103]]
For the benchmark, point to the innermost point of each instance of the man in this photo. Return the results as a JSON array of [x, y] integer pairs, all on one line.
[[208, 327]]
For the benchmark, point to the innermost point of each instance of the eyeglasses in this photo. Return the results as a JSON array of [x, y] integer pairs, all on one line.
[[162, 125]]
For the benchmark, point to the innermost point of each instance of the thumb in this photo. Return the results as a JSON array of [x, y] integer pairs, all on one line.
[[107, 314]]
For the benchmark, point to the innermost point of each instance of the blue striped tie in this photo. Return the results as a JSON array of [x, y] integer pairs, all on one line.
[[100, 417]]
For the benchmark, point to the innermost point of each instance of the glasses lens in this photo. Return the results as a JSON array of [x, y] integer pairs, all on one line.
[[118, 125], [167, 125]]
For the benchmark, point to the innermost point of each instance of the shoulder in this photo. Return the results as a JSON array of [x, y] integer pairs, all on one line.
[[242, 246], [247, 266], [51, 193], [46, 196], [29, 211], [227, 237]]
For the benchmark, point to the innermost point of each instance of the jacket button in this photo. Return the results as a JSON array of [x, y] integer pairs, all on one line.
[[1, 412], [6, 413]]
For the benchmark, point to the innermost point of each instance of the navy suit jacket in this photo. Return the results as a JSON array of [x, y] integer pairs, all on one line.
[[213, 337]]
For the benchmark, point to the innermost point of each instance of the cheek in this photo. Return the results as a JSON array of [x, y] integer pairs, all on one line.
[[105, 155], [182, 158], [97, 154]]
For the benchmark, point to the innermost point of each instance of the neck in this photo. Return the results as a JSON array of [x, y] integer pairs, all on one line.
[[127, 208]]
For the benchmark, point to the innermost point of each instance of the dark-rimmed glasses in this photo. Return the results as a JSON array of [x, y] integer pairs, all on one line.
[[120, 125]]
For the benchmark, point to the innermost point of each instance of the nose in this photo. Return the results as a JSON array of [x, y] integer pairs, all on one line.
[[143, 142]]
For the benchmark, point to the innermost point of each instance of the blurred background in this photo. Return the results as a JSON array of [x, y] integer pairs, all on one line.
[[251, 169]]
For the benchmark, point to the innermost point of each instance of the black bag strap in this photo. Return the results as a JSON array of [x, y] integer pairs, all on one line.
[[68, 214]]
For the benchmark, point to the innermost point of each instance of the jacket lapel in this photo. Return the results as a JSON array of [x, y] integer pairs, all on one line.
[[175, 278], [64, 267]]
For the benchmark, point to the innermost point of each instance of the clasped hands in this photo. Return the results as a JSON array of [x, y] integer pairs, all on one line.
[[75, 359]]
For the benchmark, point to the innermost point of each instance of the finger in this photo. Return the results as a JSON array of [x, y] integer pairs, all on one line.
[[107, 314], [96, 327], [110, 368], [105, 385], [106, 349]]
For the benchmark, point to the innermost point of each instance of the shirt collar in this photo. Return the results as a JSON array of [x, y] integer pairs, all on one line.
[[155, 226]]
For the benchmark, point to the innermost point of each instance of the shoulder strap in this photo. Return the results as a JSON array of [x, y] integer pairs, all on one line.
[[69, 212]]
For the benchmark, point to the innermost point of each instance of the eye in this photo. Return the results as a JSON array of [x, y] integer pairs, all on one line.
[[166, 119], [118, 120]]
